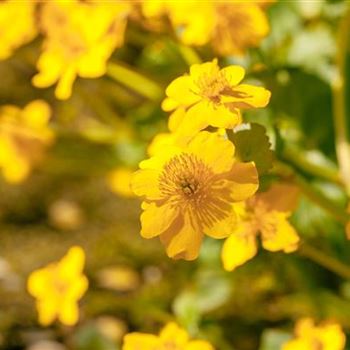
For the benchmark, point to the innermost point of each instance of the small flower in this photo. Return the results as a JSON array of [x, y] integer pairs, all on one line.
[[190, 190], [211, 96], [266, 213], [23, 137], [58, 287], [170, 337], [75, 46], [308, 336], [230, 27], [17, 25], [239, 26]]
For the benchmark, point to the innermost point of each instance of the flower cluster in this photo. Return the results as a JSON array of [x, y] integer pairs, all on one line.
[[74, 46], [193, 185]]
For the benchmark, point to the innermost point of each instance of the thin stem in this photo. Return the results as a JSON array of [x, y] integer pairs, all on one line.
[[321, 200], [339, 105], [189, 55], [325, 260], [298, 159], [135, 81], [312, 193]]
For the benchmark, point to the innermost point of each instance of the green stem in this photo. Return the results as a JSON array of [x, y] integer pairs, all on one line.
[[135, 81], [324, 260], [288, 173], [339, 105], [189, 55], [298, 160], [321, 200]]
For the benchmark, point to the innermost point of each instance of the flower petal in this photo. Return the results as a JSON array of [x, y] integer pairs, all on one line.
[[198, 345], [169, 104], [203, 70], [183, 239], [216, 151], [205, 113], [244, 181], [157, 219], [181, 90], [47, 310], [234, 74], [277, 233], [280, 197], [239, 247], [174, 334], [223, 117], [72, 264], [68, 312], [145, 183], [223, 228], [249, 96], [136, 341], [176, 118]]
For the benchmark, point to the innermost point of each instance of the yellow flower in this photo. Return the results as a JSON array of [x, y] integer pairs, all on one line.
[[308, 336], [239, 26], [58, 287], [266, 213], [119, 181], [79, 39], [23, 137], [231, 27], [211, 96], [170, 337], [190, 190], [17, 25]]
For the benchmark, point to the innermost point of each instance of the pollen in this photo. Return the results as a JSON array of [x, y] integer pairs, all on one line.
[[192, 185], [212, 87], [186, 176]]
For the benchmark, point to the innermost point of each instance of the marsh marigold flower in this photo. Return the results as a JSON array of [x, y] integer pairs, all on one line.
[[189, 191], [58, 287], [170, 337], [211, 96], [308, 336], [80, 36], [24, 134], [17, 25], [265, 214], [230, 26]]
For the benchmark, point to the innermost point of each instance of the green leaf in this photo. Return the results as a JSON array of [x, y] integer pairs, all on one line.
[[252, 144], [273, 339]]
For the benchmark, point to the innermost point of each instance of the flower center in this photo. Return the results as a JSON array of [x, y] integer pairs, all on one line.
[[188, 182], [185, 176], [213, 86]]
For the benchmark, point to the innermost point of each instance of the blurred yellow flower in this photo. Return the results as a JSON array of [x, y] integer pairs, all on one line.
[[190, 191], [75, 46], [211, 96], [308, 336], [230, 26], [58, 287], [170, 337], [23, 137], [266, 213], [17, 25], [119, 181]]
